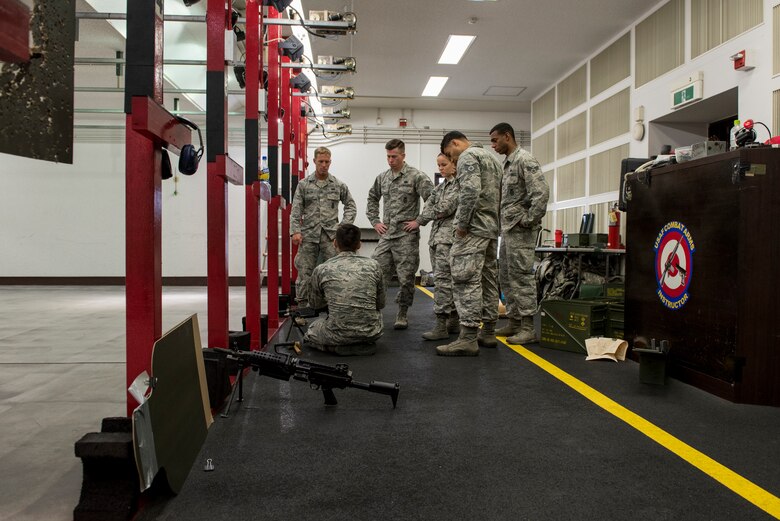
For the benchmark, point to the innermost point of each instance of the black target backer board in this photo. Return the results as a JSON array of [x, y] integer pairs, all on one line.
[[703, 239]]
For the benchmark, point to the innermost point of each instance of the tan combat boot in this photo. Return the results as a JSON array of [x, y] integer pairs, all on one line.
[[439, 331], [465, 345], [453, 323], [512, 327], [487, 335], [527, 333], [400, 319]]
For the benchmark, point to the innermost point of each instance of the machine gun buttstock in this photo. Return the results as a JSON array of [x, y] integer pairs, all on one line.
[[390, 389]]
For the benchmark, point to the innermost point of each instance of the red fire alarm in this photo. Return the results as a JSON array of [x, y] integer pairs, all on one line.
[[741, 62], [401, 122]]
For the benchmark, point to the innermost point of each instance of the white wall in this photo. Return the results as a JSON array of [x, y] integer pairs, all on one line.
[[755, 86], [61, 220], [69, 220], [754, 95]]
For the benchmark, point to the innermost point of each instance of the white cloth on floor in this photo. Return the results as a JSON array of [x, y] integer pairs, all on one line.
[[609, 348]]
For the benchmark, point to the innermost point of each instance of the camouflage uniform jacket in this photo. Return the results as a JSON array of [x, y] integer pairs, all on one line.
[[479, 178], [524, 191], [353, 288], [401, 194], [440, 208], [316, 207]]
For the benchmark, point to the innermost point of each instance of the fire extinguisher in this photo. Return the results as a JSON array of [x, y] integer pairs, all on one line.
[[613, 240]]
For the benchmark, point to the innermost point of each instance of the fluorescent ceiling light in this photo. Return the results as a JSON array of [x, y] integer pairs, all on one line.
[[457, 45], [434, 86]]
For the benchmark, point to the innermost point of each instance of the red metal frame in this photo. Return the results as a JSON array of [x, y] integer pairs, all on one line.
[[217, 20], [273, 264], [14, 31], [286, 97], [296, 166], [143, 219], [253, 225], [272, 238]]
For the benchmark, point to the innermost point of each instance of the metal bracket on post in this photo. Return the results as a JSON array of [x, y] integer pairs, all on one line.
[[153, 121], [14, 31]]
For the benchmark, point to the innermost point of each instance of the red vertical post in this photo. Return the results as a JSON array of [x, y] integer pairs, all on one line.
[[272, 238], [273, 264], [143, 253], [216, 185], [253, 223], [296, 165], [285, 98], [143, 196]]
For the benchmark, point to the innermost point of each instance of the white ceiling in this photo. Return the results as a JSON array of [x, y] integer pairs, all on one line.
[[519, 43]]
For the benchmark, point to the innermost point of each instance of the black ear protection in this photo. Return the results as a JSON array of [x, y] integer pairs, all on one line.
[[189, 157], [165, 165]]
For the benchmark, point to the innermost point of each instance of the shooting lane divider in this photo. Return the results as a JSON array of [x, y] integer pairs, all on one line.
[[147, 126], [743, 487], [252, 216], [285, 98], [277, 201], [217, 23], [299, 146]]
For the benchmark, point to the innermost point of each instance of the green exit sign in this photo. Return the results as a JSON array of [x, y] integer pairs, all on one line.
[[687, 94], [681, 96]]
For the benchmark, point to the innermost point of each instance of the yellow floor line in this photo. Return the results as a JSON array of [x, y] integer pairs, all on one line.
[[727, 477], [424, 290]]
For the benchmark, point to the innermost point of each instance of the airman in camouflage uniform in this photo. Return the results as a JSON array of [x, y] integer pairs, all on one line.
[[398, 250], [440, 208], [473, 253], [353, 289], [524, 196], [314, 218]]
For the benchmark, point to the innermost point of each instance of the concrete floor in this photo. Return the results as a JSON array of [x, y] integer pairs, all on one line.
[[62, 369]]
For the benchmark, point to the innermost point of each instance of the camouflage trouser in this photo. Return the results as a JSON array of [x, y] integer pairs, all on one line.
[[323, 333], [311, 254], [443, 304], [402, 257], [516, 271], [475, 279]]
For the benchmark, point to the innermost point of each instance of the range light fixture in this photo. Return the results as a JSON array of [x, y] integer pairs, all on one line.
[[292, 47], [434, 86], [457, 45], [240, 72], [300, 82], [279, 5]]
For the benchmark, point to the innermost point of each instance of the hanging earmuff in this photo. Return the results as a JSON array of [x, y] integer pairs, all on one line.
[[189, 156], [165, 165]]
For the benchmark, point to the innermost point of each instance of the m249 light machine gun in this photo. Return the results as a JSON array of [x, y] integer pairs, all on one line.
[[320, 376]]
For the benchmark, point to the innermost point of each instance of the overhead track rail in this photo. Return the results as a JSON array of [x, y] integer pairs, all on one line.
[[330, 26]]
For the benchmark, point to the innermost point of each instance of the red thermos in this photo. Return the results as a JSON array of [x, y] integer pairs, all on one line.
[[613, 239], [558, 238]]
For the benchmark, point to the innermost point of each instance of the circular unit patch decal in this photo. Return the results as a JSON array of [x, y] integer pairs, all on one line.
[[674, 249]]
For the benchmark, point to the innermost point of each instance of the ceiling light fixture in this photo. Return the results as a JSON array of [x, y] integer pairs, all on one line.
[[456, 47], [434, 86]]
